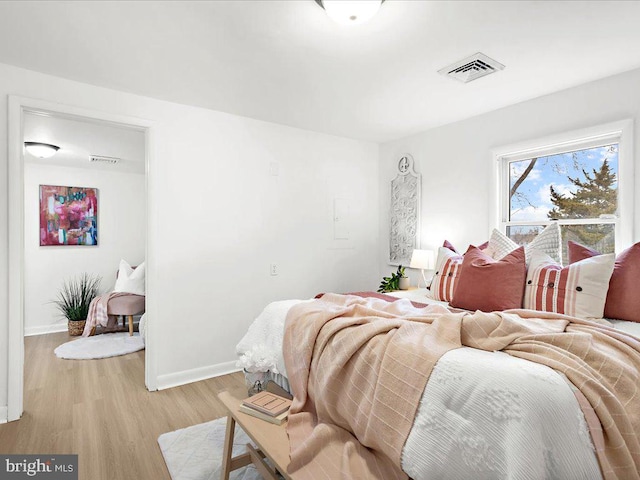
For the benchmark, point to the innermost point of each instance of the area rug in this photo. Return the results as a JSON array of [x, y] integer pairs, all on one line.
[[100, 346], [195, 453]]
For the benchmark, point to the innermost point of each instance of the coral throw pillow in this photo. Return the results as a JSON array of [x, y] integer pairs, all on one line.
[[578, 290], [447, 270], [489, 285], [623, 301], [447, 244]]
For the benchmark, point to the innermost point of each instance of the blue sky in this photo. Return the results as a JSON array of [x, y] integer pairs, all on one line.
[[532, 203]]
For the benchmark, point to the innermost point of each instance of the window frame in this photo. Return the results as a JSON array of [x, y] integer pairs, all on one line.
[[620, 132]]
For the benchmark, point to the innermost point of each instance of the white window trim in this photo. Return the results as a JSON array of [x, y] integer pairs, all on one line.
[[621, 131]]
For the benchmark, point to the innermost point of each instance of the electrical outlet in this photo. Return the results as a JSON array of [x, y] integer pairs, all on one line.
[[274, 269]]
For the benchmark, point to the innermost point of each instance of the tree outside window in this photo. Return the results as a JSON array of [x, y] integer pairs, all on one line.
[[578, 188]]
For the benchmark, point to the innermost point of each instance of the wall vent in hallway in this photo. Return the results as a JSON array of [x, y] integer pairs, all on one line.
[[103, 159]]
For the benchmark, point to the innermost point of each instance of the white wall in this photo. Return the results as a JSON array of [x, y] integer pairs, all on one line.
[[226, 219], [455, 160], [121, 234], [218, 219]]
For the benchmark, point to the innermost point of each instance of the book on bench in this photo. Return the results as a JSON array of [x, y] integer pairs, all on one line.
[[278, 420], [267, 403]]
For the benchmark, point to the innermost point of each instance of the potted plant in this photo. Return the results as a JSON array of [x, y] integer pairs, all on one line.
[[74, 298], [397, 281]]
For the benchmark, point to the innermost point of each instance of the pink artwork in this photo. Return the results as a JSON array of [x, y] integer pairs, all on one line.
[[68, 215]]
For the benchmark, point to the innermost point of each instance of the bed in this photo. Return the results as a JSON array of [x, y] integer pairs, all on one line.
[[517, 393], [482, 414]]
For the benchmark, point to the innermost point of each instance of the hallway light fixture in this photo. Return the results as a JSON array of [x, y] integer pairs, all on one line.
[[350, 12], [41, 150]]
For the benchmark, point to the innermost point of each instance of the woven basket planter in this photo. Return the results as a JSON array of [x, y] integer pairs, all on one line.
[[76, 327]]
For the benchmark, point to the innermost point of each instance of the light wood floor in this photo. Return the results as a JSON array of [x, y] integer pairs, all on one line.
[[101, 410]]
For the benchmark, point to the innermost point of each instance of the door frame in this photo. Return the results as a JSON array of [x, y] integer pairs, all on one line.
[[15, 365]]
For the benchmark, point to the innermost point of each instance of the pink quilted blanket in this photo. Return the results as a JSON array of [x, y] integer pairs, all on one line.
[[358, 368]]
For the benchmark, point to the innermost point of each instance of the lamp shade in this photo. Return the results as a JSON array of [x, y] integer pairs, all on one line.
[[422, 259], [351, 12], [41, 150]]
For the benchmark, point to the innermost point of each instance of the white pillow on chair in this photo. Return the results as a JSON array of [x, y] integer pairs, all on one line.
[[130, 280]]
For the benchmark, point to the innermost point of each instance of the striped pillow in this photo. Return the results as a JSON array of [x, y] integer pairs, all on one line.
[[447, 272], [579, 290]]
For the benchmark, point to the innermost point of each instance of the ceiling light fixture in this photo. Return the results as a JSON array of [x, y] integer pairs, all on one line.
[[350, 12], [41, 150]]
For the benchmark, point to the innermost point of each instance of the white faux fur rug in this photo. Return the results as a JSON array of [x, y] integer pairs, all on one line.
[[195, 453], [100, 346]]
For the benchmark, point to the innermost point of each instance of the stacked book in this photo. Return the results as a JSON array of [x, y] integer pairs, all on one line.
[[267, 406]]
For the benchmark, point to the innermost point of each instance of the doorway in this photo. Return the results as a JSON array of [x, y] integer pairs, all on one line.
[[21, 113]]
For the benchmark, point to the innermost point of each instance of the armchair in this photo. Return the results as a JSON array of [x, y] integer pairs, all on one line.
[[127, 304]]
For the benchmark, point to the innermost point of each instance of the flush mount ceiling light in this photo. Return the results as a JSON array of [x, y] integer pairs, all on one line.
[[41, 150], [350, 12]]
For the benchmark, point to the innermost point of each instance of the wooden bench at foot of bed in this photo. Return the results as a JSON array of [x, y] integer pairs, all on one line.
[[272, 442]]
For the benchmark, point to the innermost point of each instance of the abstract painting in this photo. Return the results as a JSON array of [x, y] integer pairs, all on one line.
[[68, 215]]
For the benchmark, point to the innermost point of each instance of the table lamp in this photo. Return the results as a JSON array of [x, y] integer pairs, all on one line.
[[424, 260]]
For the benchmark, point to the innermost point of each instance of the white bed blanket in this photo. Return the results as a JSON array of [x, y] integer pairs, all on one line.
[[483, 415], [260, 349], [498, 417]]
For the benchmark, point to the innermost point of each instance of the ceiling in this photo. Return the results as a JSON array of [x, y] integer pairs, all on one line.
[[287, 62], [79, 139]]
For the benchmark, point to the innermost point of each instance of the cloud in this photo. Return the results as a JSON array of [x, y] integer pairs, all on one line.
[[518, 168], [609, 153], [531, 214], [544, 193], [534, 174]]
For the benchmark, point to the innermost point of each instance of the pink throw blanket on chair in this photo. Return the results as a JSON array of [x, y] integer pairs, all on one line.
[[98, 312]]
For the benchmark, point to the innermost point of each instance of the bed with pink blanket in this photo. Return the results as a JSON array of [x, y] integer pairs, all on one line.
[[389, 389]]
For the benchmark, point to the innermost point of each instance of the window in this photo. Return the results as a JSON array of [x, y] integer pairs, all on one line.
[[578, 182]]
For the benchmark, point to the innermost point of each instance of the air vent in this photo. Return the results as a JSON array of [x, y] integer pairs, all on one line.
[[472, 67], [103, 159]]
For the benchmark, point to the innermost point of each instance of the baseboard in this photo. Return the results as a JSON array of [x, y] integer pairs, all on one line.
[[44, 329], [4, 414], [195, 375]]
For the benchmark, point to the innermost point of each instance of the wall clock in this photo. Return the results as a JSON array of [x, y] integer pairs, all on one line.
[[403, 164]]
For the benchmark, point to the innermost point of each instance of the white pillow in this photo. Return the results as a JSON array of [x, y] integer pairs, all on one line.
[[500, 245], [548, 241], [579, 290], [130, 280]]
